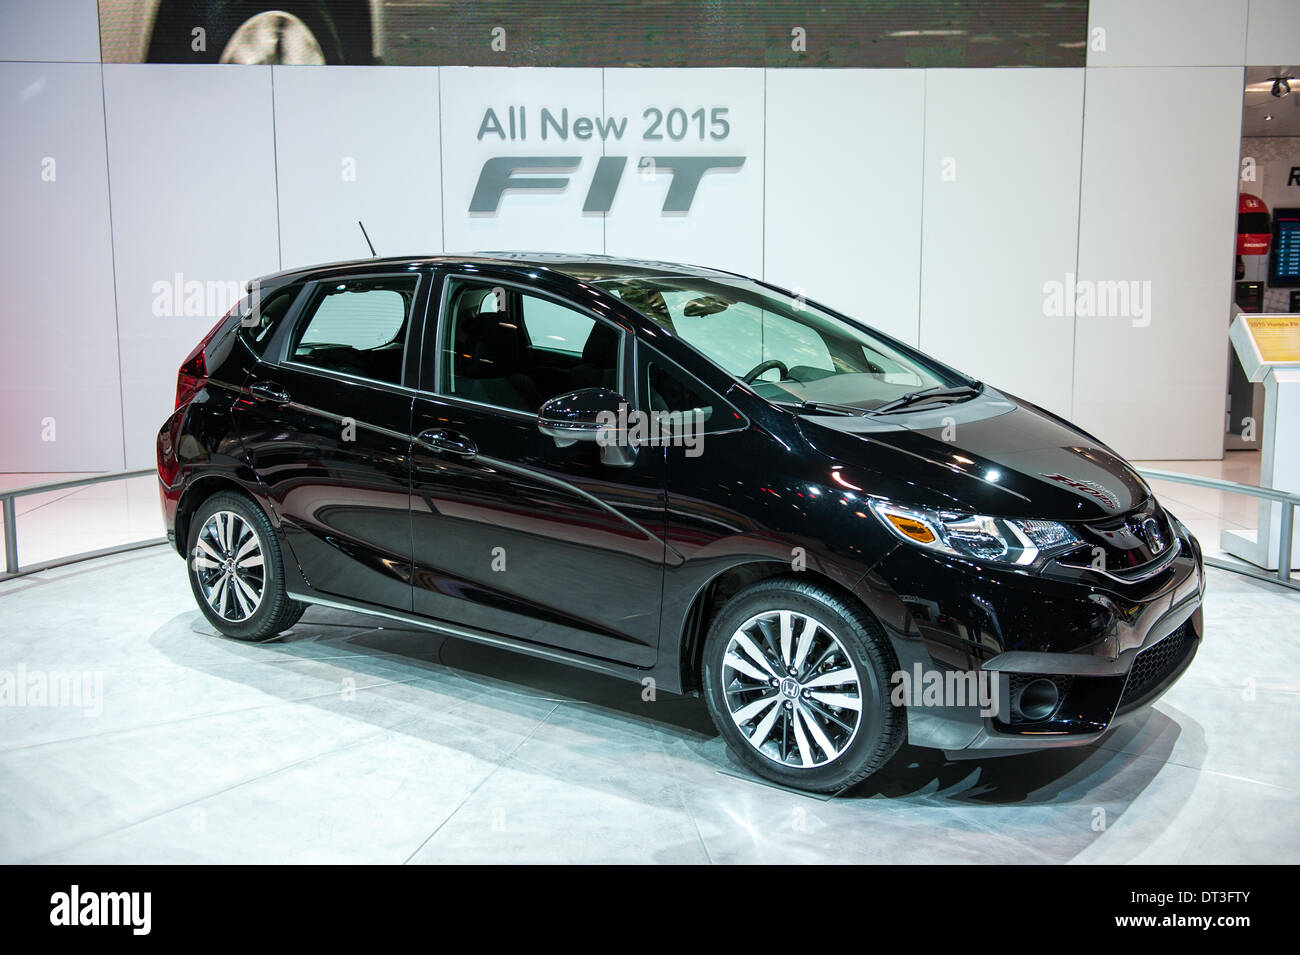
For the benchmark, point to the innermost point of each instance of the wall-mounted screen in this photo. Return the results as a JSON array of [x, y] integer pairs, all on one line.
[[1284, 261]]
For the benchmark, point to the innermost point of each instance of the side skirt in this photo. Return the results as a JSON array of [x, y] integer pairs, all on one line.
[[479, 636]]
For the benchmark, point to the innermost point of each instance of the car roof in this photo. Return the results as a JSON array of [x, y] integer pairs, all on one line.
[[585, 268]]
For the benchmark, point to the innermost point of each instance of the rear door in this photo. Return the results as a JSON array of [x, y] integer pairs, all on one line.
[[325, 424], [512, 534]]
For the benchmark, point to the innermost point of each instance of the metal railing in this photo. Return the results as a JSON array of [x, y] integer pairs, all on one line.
[[1282, 575], [10, 513], [1288, 501]]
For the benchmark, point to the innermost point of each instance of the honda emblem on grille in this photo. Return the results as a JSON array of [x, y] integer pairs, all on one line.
[[1151, 531]]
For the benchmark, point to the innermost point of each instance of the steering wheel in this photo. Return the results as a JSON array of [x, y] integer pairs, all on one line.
[[766, 366]]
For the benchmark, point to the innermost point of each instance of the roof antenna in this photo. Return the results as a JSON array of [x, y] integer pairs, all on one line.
[[373, 253]]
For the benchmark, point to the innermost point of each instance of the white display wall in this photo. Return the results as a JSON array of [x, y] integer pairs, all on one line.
[[937, 204]]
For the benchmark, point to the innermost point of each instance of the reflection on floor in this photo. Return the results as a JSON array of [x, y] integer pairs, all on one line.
[[342, 741]]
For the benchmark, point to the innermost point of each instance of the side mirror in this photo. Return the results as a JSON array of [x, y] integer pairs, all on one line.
[[592, 414]]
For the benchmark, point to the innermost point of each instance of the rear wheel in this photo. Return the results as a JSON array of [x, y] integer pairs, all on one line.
[[236, 571], [797, 681]]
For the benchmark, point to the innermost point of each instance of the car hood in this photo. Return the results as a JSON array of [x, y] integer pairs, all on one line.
[[993, 454]]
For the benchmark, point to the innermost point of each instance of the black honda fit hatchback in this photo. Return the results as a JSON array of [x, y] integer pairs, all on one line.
[[678, 475]]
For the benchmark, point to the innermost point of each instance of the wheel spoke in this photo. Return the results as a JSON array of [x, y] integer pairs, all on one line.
[[787, 626], [842, 700], [819, 734], [755, 654], [750, 710], [243, 587], [217, 600], [804, 644], [737, 662], [764, 728], [248, 545], [829, 717], [801, 739], [240, 599], [832, 678]]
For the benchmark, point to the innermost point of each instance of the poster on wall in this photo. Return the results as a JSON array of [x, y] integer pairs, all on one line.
[[617, 33]]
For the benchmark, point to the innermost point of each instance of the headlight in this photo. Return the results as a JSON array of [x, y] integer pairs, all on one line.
[[999, 540]]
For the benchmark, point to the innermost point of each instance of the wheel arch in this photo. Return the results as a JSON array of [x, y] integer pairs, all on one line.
[[199, 490], [720, 588]]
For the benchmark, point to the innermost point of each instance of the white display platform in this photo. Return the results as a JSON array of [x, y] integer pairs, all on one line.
[[1269, 348]]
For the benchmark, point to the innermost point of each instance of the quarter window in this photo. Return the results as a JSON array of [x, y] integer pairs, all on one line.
[[669, 389], [261, 315]]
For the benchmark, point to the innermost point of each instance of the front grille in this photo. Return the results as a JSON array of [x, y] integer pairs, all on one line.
[[1133, 546], [1154, 664]]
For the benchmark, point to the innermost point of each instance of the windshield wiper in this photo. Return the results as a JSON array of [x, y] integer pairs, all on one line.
[[926, 395], [821, 407]]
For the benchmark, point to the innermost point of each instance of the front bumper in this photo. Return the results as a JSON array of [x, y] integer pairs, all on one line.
[[1105, 650]]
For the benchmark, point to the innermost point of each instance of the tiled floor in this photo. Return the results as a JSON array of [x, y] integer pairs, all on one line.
[[346, 742], [343, 741]]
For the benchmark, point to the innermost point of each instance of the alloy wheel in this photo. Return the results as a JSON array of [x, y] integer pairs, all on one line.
[[229, 565], [792, 689]]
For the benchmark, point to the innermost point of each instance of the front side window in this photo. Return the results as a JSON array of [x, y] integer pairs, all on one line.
[[357, 327], [505, 347], [788, 350]]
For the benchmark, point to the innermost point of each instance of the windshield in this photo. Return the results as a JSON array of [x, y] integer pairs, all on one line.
[[788, 350]]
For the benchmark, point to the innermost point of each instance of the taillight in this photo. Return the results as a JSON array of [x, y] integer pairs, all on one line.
[[193, 373]]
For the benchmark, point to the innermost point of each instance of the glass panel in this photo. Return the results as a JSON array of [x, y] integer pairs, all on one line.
[[358, 328]]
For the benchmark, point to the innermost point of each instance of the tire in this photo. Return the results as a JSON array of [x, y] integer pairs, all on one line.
[[306, 20], [244, 598], [846, 653]]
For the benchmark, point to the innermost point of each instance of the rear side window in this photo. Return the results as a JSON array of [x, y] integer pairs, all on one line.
[[262, 313], [357, 327], [555, 328]]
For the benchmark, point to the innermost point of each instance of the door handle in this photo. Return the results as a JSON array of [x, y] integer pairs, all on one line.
[[267, 391], [440, 439]]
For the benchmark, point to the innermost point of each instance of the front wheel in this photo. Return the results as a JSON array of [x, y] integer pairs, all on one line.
[[797, 681], [236, 571]]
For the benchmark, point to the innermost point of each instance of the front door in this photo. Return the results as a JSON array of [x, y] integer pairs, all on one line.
[[511, 534]]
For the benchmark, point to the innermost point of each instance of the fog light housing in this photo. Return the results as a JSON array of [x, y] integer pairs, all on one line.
[[1038, 700]]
